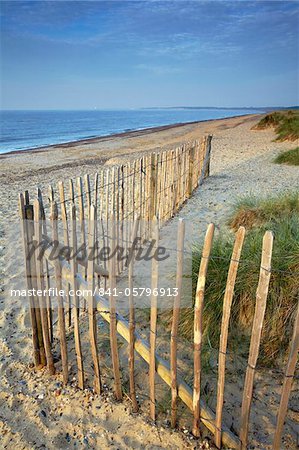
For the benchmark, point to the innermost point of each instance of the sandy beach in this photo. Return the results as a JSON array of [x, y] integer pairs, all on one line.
[[36, 411]]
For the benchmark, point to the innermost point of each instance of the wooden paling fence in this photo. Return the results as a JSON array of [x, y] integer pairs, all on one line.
[[142, 198], [156, 184]]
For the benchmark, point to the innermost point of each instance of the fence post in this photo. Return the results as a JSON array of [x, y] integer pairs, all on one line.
[[58, 278], [24, 227], [191, 164], [176, 176], [175, 321], [71, 190], [29, 215], [82, 224], [153, 321], [227, 302], [161, 208], [91, 302], [88, 193], [198, 310], [107, 185], [205, 170], [101, 216], [74, 270], [147, 192], [48, 297], [41, 287], [66, 243], [209, 147], [122, 208], [132, 318], [153, 183], [113, 334], [287, 383], [260, 307]]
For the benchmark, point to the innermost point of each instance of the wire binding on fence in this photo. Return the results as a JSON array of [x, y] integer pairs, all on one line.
[[112, 183]]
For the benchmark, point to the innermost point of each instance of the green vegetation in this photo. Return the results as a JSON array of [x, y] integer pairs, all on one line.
[[291, 157], [286, 124], [281, 215], [251, 212]]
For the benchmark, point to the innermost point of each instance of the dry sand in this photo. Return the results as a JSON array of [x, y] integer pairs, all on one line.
[[35, 411]]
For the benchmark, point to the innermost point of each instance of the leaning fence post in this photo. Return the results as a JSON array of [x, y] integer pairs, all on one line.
[[287, 383], [175, 321], [227, 302], [260, 307], [198, 310]]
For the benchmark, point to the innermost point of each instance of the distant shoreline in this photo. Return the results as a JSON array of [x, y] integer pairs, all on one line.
[[123, 134]]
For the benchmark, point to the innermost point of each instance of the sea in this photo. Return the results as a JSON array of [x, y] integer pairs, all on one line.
[[22, 130]]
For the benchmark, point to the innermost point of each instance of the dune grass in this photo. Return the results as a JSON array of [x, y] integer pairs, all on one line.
[[250, 211], [290, 157], [285, 123], [281, 215]]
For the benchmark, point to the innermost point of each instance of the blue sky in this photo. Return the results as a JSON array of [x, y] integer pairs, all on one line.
[[96, 54]]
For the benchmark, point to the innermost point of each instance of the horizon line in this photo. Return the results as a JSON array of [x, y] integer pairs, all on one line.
[[153, 107]]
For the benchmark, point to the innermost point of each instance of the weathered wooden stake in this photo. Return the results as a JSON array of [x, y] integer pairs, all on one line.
[[82, 224], [47, 275], [58, 278], [29, 214], [260, 307], [227, 302], [153, 184], [153, 321], [66, 243], [198, 310], [88, 193], [36, 355], [113, 334], [72, 192], [74, 271], [287, 383], [41, 287], [132, 318], [175, 321], [91, 302]]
